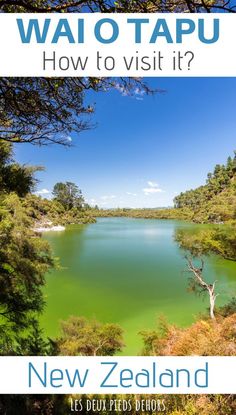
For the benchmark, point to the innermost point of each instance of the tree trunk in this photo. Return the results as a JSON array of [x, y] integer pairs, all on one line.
[[212, 303]]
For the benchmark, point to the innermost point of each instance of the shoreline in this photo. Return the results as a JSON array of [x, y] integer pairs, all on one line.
[[56, 228]]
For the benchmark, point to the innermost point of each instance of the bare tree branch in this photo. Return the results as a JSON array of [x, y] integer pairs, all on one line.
[[210, 288]]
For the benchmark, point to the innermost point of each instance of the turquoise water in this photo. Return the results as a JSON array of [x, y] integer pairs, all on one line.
[[127, 271]]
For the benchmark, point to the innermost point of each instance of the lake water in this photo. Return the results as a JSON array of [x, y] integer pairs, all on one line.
[[127, 271]]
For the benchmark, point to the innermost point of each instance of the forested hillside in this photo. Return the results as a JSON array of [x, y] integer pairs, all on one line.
[[216, 200]]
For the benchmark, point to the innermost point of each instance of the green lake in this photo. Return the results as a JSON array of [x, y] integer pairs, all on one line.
[[127, 271]]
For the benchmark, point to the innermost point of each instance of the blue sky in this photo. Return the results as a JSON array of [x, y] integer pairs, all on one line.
[[145, 150]]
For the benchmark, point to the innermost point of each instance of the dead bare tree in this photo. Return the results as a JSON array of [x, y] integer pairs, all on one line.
[[197, 282]]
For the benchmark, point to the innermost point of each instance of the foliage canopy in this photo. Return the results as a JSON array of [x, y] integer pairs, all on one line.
[[90, 338], [47, 110], [68, 195], [119, 6]]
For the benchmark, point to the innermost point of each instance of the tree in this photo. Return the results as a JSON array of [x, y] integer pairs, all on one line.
[[24, 260], [13, 176], [197, 248], [198, 285], [220, 240], [68, 194], [89, 338], [41, 110], [203, 338]]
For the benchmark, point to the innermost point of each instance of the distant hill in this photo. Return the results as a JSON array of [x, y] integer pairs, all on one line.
[[214, 202]]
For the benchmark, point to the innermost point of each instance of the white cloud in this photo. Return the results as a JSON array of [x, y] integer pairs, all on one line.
[[43, 192], [152, 190], [69, 138], [131, 194], [152, 184], [108, 197]]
